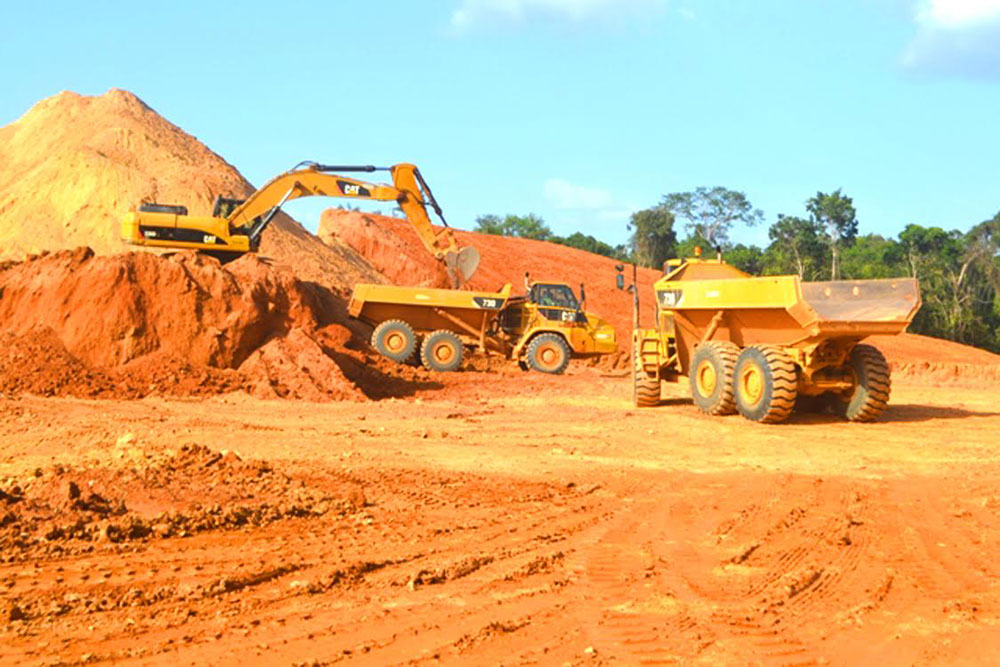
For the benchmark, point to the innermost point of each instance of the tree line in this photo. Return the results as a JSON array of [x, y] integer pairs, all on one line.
[[959, 272]]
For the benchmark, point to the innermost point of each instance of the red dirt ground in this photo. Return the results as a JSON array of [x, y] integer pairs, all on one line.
[[499, 518]]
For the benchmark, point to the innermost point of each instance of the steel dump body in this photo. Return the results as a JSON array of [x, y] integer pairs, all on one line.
[[779, 310], [465, 312]]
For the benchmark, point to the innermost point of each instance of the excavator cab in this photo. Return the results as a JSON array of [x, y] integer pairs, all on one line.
[[224, 206], [163, 208]]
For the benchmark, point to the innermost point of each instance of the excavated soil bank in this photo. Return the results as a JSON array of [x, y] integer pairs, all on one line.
[[135, 324]]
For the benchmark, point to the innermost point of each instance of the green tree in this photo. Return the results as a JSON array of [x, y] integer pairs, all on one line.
[[711, 213], [872, 256], [948, 265], [653, 239], [747, 258], [528, 226], [490, 224], [591, 244], [796, 246], [836, 214]]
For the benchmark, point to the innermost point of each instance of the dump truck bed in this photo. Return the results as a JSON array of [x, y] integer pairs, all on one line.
[[428, 309], [784, 310]]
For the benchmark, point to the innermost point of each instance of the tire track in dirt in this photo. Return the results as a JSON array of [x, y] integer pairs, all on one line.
[[402, 556], [665, 580]]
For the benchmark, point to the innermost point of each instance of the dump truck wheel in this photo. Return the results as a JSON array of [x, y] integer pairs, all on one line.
[[712, 377], [767, 384], [870, 396], [548, 353], [646, 390], [394, 339], [441, 351]]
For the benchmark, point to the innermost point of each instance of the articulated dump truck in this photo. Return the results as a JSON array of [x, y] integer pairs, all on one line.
[[761, 346], [543, 329]]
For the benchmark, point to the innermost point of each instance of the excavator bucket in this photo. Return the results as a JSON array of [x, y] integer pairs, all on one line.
[[462, 265]]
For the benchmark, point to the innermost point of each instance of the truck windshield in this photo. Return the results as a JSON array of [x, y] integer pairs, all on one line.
[[554, 296]]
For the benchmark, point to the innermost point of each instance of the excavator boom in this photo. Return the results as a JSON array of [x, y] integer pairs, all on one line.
[[233, 232]]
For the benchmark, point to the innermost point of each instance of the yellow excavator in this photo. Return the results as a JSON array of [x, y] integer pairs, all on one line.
[[236, 225]]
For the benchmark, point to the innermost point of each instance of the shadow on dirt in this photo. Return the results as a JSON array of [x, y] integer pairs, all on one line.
[[675, 401], [895, 414], [909, 412], [375, 383]]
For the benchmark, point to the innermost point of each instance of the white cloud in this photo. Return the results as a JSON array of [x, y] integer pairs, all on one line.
[[957, 13], [565, 195], [477, 12], [956, 37]]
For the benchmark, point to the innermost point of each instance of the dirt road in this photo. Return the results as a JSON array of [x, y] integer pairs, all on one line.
[[491, 522]]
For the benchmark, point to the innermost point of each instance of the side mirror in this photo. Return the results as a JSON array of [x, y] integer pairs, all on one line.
[[620, 281], [583, 294]]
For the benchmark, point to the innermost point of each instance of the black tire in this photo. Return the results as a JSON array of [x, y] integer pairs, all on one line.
[[548, 353], [711, 377], [646, 390], [870, 396], [766, 384], [441, 351], [395, 340]]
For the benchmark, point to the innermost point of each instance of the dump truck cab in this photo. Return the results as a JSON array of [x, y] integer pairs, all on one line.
[[552, 309], [763, 345]]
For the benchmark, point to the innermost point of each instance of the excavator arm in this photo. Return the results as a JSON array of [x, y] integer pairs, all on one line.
[[240, 231]]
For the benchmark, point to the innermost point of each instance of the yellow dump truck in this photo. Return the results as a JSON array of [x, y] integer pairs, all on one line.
[[543, 329], [760, 345]]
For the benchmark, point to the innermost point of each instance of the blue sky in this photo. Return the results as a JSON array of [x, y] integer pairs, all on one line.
[[581, 111]]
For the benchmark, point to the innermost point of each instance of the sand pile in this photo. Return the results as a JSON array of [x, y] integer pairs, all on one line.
[[126, 325], [73, 165], [392, 247]]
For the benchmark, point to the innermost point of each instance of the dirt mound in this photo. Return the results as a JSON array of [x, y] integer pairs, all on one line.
[[914, 348], [937, 361], [38, 363], [392, 247], [168, 494], [74, 165], [75, 323]]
